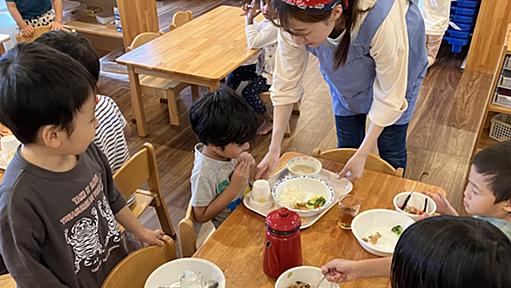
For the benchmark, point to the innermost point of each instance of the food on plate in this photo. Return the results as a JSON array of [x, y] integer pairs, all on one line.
[[373, 238], [398, 230], [413, 210], [300, 199], [299, 284], [312, 203], [303, 169]]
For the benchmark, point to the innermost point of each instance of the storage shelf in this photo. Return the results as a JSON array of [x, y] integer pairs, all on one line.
[[499, 108], [485, 140], [89, 25]]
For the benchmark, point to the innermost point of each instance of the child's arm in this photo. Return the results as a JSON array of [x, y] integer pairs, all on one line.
[[25, 29], [442, 204], [340, 270], [57, 24], [239, 182], [128, 220], [257, 39]]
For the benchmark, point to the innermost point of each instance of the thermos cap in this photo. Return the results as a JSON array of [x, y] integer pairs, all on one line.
[[283, 221]]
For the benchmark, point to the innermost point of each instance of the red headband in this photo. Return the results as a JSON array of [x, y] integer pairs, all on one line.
[[315, 4]]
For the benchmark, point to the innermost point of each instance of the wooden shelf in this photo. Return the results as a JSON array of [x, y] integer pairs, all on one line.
[[485, 140], [499, 108], [89, 25]]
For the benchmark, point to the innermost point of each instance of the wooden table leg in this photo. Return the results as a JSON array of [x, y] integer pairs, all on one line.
[[213, 86], [137, 105]]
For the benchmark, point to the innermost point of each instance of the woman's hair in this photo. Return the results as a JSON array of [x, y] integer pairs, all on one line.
[[452, 252], [282, 12]]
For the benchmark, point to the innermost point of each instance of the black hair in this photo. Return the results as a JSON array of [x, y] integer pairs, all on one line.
[[41, 86], [495, 162], [452, 252], [282, 12], [74, 45], [222, 117]]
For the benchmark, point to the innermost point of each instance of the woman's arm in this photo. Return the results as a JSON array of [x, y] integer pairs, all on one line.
[[26, 30], [57, 24]]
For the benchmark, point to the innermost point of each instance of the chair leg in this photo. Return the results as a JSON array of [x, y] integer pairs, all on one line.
[[164, 217], [172, 104], [195, 92]]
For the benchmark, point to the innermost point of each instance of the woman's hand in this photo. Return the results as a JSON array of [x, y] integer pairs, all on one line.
[[354, 168], [56, 25], [27, 30], [267, 165]]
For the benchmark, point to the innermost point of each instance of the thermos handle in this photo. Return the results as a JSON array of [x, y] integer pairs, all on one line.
[[273, 261]]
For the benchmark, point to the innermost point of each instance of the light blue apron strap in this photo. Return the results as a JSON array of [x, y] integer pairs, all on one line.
[[373, 21]]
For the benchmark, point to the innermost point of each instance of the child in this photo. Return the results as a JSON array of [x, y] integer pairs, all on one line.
[[262, 35], [439, 252], [488, 193], [109, 137], [58, 202], [30, 14], [224, 124]]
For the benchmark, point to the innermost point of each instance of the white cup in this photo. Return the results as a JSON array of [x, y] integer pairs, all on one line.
[[8, 144], [260, 191]]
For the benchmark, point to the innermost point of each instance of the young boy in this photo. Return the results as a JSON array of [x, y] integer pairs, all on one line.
[[58, 203], [488, 192], [224, 124], [30, 14], [260, 35]]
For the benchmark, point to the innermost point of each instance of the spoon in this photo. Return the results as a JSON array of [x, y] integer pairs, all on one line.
[[208, 284], [321, 281]]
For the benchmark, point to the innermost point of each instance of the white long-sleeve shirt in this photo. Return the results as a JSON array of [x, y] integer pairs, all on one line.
[[389, 49], [263, 35]]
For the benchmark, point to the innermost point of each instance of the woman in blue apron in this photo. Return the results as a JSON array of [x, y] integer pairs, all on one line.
[[372, 55]]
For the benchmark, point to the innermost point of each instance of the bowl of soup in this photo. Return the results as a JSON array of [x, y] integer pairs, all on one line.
[[304, 166]]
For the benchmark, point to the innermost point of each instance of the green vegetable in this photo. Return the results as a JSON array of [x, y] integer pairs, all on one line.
[[397, 229], [316, 202]]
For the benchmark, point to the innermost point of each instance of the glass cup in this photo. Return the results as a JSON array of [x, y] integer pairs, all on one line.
[[349, 207], [191, 279]]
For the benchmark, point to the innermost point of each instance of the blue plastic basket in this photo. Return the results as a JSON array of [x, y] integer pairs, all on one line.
[[465, 11], [456, 43], [466, 3], [462, 19], [459, 34]]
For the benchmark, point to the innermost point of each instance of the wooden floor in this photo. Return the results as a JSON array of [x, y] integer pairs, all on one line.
[[441, 133]]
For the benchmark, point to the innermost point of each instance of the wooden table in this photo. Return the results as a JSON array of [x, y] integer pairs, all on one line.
[[201, 52], [6, 281], [237, 245]]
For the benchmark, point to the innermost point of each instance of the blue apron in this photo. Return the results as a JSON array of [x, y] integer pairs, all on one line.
[[351, 86]]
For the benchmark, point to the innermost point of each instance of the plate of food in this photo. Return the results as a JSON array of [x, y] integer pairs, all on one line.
[[378, 230], [418, 204], [303, 277], [8, 146]]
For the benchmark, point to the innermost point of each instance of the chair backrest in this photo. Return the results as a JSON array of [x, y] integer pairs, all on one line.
[[143, 38], [373, 163], [180, 18], [38, 31], [187, 234], [134, 270], [141, 168]]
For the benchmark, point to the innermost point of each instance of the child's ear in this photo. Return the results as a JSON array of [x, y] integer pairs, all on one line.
[[507, 207], [51, 136]]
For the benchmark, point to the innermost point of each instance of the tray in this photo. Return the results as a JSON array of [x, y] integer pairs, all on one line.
[[341, 187]]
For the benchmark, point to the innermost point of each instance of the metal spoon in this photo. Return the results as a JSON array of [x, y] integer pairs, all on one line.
[[209, 284], [321, 281]]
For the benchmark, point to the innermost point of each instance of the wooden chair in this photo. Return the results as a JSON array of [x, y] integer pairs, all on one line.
[[265, 98], [374, 163], [189, 239], [134, 270], [155, 85], [180, 18], [140, 169], [3, 38], [38, 31]]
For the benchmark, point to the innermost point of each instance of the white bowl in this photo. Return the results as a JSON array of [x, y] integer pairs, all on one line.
[[307, 274], [170, 272], [379, 220], [311, 186], [416, 200], [310, 162]]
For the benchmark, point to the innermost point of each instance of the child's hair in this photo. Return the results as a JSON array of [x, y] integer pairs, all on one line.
[[452, 252], [495, 162], [283, 12], [222, 117], [74, 45], [40, 86]]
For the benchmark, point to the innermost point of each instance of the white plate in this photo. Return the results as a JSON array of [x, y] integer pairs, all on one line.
[[379, 220], [169, 273], [308, 274], [341, 187]]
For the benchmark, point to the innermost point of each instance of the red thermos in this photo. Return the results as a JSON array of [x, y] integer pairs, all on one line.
[[282, 249]]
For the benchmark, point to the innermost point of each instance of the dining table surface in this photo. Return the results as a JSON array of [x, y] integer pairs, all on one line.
[[237, 245], [201, 52]]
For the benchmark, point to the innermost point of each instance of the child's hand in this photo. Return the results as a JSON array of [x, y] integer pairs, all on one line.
[[27, 30], [151, 237], [240, 175], [56, 25], [442, 204], [340, 270], [248, 158], [250, 11]]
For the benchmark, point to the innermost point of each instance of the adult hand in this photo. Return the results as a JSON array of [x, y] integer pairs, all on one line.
[[56, 25], [27, 30], [354, 168], [267, 165], [340, 270]]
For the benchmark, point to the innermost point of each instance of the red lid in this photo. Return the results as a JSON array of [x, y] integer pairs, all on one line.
[[283, 220]]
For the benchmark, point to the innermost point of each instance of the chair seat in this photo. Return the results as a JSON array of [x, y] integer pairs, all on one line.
[[158, 83]]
